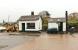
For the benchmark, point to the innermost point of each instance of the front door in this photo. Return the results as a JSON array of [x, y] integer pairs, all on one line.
[[23, 27], [61, 27]]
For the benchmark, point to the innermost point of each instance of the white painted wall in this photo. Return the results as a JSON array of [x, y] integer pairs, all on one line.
[[52, 25], [38, 25], [64, 26], [55, 25]]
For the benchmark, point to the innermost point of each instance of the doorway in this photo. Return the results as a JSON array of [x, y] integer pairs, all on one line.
[[23, 27], [60, 27]]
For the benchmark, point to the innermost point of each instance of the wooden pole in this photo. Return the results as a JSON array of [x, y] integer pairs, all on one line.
[[66, 14], [8, 19]]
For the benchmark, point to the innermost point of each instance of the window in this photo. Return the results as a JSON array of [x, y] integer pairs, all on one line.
[[30, 25]]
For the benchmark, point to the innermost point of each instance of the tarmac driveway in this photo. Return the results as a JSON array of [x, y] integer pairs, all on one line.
[[51, 42], [10, 40]]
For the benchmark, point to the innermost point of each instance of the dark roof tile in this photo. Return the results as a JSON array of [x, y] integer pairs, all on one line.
[[29, 18]]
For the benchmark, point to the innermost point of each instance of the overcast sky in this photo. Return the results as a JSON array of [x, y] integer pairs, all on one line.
[[15, 8]]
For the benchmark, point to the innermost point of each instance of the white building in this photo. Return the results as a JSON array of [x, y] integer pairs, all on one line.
[[30, 23], [58, 23]]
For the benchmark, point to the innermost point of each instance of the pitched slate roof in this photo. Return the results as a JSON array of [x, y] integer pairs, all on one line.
[[56, 20], [29, 18]]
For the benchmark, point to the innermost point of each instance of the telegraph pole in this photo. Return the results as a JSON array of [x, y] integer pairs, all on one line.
[[66, 15], [8, 19]]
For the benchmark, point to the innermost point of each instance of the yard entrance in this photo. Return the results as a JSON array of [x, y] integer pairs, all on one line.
[[60, 26], [23, 27]]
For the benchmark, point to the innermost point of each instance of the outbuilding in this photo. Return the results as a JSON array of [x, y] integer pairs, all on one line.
[[30, 23], [58, 23]]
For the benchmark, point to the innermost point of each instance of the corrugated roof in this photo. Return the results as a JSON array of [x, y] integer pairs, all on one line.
[[56, 20], [29, 18]]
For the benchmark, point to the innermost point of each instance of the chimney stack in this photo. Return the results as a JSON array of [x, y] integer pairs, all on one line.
[[32, 13]]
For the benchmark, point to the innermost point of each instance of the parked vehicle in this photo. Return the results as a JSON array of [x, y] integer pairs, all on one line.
[[52, 30], [72, 29]]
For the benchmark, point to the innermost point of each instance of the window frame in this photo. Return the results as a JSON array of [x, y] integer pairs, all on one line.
[[30, 25]]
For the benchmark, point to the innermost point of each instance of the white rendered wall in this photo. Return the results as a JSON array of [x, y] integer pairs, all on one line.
[[52, 25], [38, 25], [64, 26], [55, 25]]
